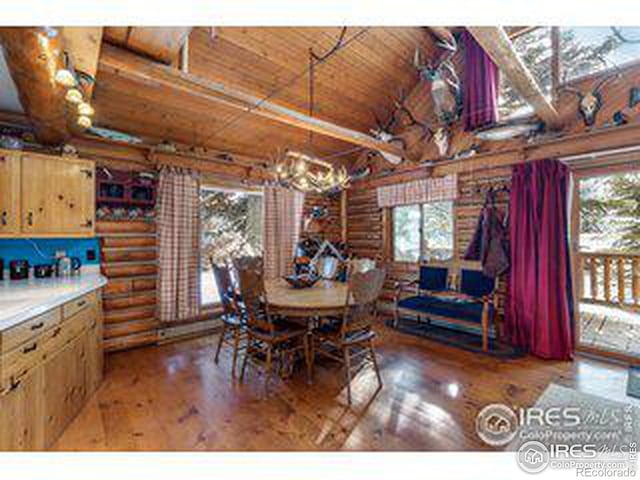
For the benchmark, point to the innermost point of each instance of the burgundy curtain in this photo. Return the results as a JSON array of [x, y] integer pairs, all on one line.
[[481, 85], [539, 316]]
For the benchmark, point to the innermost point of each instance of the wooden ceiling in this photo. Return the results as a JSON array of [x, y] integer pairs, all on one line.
[[362, 78]]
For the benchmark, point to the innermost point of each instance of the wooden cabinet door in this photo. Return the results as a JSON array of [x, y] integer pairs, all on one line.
[[58, 196], [21, 414], [9, 193], [95, 353], [64, 387]]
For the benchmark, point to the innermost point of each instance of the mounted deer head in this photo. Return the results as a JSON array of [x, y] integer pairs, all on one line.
[[445, 84], [590, 103], [440, 135]]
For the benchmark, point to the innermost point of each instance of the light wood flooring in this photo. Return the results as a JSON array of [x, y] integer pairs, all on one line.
[[174, 397]]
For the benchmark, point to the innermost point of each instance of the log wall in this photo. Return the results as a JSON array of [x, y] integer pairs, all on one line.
[[368, 225]]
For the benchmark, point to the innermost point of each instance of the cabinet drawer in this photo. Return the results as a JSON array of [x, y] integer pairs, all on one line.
[[17, 362], [24, 332], [86, 301]]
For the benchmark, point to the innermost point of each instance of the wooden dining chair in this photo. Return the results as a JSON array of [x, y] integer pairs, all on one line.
[[351, 341], [234, 332], [268, 338]]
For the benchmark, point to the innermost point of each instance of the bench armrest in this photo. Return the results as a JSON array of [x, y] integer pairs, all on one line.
[[405, 287]]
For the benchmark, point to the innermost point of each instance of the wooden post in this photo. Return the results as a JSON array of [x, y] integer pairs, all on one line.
[[343, 215], [621, 282]]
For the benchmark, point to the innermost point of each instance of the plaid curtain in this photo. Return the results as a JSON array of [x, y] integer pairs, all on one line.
[[419, 191], [282, 222], [178, 225]]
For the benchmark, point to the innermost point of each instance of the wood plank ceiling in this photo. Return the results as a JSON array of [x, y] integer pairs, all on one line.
[[362, 78]]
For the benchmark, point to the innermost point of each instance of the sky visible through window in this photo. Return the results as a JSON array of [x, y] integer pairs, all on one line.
[[583, 51]]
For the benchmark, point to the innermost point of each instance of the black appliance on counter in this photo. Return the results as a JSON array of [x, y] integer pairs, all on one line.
[[43, 271], [18, 269]]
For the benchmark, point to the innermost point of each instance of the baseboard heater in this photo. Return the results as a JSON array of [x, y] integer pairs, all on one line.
[[169, 334]]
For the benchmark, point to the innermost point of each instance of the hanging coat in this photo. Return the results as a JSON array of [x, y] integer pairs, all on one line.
[[489, 243]]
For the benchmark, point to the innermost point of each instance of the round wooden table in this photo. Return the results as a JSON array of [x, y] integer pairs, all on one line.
[[323, 299]]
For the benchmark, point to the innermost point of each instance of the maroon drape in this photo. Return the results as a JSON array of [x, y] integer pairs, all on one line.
[[481, 85], [539, 302]]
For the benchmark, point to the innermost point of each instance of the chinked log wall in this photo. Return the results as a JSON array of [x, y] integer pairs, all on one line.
[[331, 224], [367, 223], [129, 261]]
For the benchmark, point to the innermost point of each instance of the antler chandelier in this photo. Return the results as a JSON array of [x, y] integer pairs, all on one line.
[[307, 172]]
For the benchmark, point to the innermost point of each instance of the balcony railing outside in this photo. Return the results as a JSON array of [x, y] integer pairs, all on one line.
[[610, 278]]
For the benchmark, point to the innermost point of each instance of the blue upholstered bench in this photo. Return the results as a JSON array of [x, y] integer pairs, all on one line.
[[435, 295]]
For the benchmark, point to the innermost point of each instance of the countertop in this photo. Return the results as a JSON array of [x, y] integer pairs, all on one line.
[[21, 300]]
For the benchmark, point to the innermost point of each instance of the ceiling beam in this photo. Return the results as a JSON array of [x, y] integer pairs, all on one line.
[[496, 42], [159, 43], [33, 56], [149, 74], [83, 46]]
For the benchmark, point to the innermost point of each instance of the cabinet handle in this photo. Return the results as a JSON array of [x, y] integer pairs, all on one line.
[[30, 348], [81, 303], [87, 172], [37, 326], [4, 218], [88, 224], [30, 218]]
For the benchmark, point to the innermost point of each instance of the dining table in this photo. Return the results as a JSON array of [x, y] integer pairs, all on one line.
[[325, 298]]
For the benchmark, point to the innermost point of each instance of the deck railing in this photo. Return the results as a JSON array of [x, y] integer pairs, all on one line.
[[610, 278]]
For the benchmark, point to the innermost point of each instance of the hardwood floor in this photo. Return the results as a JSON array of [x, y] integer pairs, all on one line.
[[175, 397]]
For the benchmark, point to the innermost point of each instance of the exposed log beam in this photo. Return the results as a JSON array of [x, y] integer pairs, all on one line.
[[150, 74], [33, 56], [496, 42], [83, 46], [159, 43]]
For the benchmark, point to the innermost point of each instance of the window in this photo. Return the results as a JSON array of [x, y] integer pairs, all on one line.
[[423, 232], [588, 50], [231, 225], [534, 48]]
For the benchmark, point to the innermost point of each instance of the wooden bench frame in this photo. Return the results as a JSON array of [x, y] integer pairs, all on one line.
[[453, 282]]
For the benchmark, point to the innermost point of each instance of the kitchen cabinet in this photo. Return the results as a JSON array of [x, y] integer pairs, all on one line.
[[21, 414], [10, 196], [46, 379], [52, 196], [65, 387]]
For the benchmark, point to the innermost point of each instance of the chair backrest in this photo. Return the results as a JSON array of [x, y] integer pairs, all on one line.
[[363, 289], [361, 265], [327, 267], [250, 274], [222, 277], [433, 278], [475, 283]]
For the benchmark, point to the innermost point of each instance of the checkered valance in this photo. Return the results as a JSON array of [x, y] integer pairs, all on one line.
[[419, 191]]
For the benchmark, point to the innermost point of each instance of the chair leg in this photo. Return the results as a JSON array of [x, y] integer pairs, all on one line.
[[307, 356], [269, 368], [347, 368], [247, 352], [375, 362], [220, 340], [236, 346]]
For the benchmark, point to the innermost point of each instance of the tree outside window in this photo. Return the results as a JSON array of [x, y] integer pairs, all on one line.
[[231, 226], [423, 232]]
